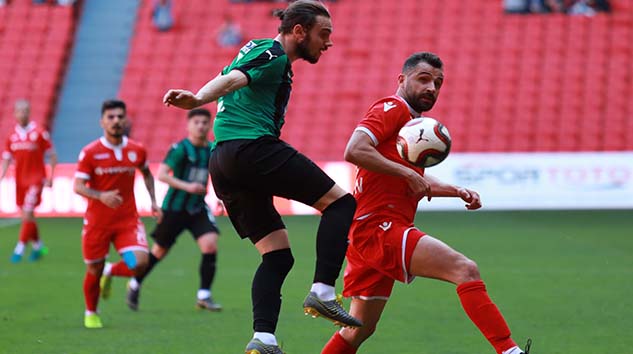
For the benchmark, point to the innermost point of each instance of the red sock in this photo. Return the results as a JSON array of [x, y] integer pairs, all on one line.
[[34, 233], [120, 269], [91, 291], [25, 231], [485, 314], [338, 345]]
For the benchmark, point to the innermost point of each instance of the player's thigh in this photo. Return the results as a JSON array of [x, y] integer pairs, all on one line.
[[433, 258], [95, 244], [253, 215], [302, 180], [166, 232], [130, 239]]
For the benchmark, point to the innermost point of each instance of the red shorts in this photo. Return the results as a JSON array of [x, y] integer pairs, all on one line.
[[95, 241], [379, 253], [28, 196]]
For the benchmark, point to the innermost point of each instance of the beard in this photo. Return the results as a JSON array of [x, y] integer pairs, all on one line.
[[304, 52]]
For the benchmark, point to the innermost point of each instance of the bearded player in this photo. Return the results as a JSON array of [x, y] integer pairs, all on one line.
[[384, 245]]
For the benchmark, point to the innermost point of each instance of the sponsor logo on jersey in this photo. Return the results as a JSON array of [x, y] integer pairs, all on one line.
[[113, 170], [23, 145], [387, 106]]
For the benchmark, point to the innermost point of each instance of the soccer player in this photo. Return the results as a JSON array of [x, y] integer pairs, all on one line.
[[384, 244], [185, 171], [105, 176], [28, 145], [250, 164]]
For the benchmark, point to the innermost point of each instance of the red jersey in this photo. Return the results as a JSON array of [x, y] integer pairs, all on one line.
[[376, 191], [28, 146], [108, 167]]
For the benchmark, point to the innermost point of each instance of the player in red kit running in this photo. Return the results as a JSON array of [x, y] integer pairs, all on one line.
[[105, 175], [28, 145], [385, 246]]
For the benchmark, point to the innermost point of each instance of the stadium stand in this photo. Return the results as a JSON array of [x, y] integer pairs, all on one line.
[[513, 83], [34, 44]]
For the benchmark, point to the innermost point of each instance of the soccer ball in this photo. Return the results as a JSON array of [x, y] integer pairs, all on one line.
[[423, 142]]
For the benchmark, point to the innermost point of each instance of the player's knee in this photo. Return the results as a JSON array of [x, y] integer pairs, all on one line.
[[356, 336], [344, 206], [281, 260], [468, 270]]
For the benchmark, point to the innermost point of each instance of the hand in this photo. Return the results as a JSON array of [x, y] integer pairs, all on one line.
[[181, 98], [111, 199], [196, 188], [418, 185], [48, 182], [157, 212], [472, 199]]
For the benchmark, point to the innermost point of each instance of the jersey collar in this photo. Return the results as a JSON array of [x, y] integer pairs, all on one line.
[[22, 132], [118, 149]]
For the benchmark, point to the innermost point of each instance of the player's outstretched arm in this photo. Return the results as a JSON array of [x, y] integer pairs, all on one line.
[[52, 161], [111, 198], [211, 91], [5, 167], [148, 178], [361, 152], [441, 189], [165, 175]]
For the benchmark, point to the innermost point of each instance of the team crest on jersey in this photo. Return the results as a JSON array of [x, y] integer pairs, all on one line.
[[131, 155], [33, 136]]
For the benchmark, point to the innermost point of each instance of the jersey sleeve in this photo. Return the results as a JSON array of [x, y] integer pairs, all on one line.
[[45, 141], [175, 156], [84, 165], [268, 65], [383, 120], [142, 158], [6, 152]]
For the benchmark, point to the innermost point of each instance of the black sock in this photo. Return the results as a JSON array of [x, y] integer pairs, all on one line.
[[331, 242], [266, 290], [150, 265], [207, 270]]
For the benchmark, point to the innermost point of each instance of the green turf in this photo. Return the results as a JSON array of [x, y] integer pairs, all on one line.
[[563, 278]]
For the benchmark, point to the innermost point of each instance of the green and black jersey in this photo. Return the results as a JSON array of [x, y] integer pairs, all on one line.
[[257, 109], [190, 164]]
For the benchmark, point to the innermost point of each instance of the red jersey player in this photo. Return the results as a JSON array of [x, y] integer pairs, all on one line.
[[384, 244], [28, 145], [105, 175]]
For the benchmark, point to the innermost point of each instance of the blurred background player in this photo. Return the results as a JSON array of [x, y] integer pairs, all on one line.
[[384, 244], [105, 175], [28, 145], [250, 165], [185, 170]]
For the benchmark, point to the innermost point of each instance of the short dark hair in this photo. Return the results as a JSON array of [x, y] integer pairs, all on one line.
[[110, 104], [199, 112], [427, 57], [300, 12]]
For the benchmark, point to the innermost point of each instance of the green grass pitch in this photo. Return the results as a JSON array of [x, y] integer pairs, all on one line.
[[565, 279]]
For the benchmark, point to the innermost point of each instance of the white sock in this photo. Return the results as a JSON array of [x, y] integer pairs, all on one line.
[[19, 248], [107, 269], [203, 294], [323, 291], [133, 284], [266, 338], [513, 350], [36, 245], [90, 313]]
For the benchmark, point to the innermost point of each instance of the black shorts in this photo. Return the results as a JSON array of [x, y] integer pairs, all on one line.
[[174, 222], [246, 174]]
